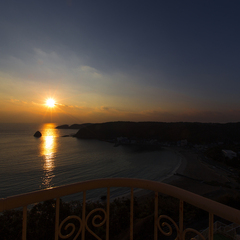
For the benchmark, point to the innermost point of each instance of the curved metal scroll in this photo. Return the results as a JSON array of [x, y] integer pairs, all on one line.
[[94, 219], [70, 225], [169, 233]]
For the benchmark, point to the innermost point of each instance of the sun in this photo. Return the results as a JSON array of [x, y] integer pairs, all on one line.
[[50, 102]]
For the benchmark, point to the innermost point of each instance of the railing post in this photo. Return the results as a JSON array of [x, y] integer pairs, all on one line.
[[108, 211], [83, 215], [156, 216], [24, 223], [210, 236], [181, 220], [131, 215], [57, 218]]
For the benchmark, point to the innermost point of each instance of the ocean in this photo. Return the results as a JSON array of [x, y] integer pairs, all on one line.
[[29, 164]]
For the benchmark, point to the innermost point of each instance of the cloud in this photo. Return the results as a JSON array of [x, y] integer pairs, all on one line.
[[105, 108], [17, 101]]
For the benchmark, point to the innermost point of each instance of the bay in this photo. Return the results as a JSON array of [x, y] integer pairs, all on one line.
[[29, 164]]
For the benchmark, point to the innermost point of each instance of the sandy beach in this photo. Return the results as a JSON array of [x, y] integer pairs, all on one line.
[[196, 175], [200, 176]]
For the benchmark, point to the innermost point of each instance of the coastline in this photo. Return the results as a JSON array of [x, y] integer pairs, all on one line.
[[197, 176], [200, 177]]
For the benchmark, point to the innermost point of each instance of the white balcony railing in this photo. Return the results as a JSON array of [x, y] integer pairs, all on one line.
[[212, 207]]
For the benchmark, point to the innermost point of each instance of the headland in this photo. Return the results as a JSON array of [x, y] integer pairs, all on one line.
[[198, 173]]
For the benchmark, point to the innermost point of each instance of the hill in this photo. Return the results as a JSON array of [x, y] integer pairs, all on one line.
[[162, 131]]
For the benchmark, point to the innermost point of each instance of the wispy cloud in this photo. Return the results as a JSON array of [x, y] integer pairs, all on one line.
[[17, 101]]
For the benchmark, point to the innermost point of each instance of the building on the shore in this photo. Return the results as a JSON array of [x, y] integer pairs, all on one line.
[[229, 153]]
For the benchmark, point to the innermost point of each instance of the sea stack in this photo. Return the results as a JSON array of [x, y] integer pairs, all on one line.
[[37, 134]]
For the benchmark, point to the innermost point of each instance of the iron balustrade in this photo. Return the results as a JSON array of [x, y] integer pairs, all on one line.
[[212, 207]]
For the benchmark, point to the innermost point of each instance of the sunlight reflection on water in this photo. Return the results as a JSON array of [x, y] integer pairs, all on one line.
[[48, 149]]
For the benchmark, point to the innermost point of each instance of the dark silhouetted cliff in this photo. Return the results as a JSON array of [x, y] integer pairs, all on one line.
[[193, 132]]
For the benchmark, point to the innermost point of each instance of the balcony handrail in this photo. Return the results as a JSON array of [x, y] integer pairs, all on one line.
[[206, 204]]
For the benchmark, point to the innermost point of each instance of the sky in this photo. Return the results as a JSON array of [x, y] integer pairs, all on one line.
[[166, 61]]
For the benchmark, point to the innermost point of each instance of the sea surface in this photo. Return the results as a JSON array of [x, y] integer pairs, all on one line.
[[29, 164]]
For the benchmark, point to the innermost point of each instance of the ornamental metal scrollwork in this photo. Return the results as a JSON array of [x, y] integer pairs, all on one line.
[[169, 233], [194, 231], [103, 220], [70, 225]]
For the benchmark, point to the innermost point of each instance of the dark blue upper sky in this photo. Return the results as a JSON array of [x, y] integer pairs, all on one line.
[[185, 51]]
